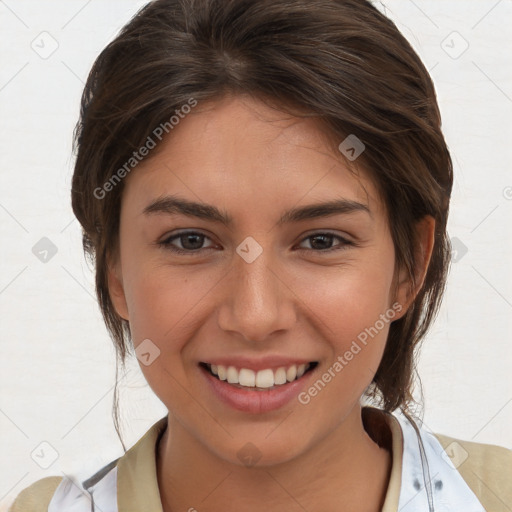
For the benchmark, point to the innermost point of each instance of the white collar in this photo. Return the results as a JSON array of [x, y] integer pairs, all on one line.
[[436, 483]]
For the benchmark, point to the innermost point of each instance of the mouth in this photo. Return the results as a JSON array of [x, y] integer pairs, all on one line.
[[267, 379]]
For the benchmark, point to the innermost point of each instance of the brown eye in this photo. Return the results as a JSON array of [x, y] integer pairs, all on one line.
[[189, 242], [323, 242]]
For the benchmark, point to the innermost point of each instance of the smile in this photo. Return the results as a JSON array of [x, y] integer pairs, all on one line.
[[261, 379], [256, 391]]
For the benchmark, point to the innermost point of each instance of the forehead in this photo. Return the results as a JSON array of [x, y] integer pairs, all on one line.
[[250, 157]]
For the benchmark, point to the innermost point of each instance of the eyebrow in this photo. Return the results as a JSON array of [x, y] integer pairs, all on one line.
[[172, 204]]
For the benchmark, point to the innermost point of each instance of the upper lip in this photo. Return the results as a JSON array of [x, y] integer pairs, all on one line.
[[262, 363]]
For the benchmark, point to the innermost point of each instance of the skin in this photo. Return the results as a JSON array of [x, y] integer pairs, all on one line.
[[295, 299]]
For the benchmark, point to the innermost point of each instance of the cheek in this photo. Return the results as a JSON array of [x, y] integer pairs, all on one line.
[[160, 303], [347, 300], [167, 304], [352, 312], [354, 318], [157, 308]]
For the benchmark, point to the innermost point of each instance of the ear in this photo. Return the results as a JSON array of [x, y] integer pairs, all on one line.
[[116, 288], [407, 291]]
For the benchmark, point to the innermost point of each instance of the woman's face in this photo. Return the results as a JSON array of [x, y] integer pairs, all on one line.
[[290, 262]]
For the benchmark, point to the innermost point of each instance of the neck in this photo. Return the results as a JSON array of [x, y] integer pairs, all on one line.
[[345, 471]]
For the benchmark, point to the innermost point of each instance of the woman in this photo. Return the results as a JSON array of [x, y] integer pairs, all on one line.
[[264, 189]]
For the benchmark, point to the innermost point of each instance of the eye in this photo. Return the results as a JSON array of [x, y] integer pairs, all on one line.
[[190, 242], [322, 242]]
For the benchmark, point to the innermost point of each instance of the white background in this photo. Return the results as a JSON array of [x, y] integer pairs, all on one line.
[[57, 361]]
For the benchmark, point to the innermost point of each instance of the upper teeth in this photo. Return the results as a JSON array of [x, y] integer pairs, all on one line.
[[261, 379]]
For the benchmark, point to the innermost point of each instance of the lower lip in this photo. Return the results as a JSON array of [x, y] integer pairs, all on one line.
[[254, 401]]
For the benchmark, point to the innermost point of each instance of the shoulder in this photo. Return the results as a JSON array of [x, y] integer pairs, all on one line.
[[138, 464], [37, 496], [486, 468]]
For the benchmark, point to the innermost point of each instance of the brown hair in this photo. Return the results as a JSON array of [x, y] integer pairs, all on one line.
[[341, 61]]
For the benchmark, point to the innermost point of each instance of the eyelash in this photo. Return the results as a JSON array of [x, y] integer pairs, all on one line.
[[167, 243]]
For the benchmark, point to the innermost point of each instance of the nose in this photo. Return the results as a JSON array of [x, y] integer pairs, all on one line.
[[257, 301]]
